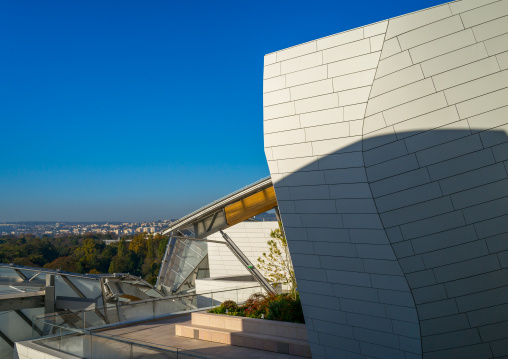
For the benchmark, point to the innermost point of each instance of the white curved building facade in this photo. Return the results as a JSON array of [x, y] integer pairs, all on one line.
[[387, 147]]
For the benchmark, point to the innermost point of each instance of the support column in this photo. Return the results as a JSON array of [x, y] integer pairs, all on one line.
[[49, 298]]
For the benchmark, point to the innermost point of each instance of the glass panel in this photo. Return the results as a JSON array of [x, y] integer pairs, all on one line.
[[206, 300], [128, 291], [62, 289], [171, 276], [41, 277], [51, 319], [33, 312], [91, 288], [8, 273], [187, 255], [112, 315], [66, 341], [6, 352], [14, 327], [53, 342], [173, 305], [94, 320], [137, 311], [68, 320], [8, 277], [76, 344], [152, 293]]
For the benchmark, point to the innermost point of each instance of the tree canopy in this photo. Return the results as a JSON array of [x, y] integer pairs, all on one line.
[[139, 255]]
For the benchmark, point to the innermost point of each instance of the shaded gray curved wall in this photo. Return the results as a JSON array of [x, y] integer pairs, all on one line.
[[386, 145]]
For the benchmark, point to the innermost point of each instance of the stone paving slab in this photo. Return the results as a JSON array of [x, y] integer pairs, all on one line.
[[245, 339]]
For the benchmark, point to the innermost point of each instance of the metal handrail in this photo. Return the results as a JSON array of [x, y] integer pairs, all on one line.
[[136, 303], [161, 348]]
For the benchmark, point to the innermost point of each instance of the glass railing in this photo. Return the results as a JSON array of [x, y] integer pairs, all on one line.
[[97, 346], [73, 333], [100, 317]]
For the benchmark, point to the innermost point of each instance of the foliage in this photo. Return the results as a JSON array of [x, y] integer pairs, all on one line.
[[66, 263], [257, 304], [272, 307], [229, 307], [87, 253], [277, 265], [286, 309]]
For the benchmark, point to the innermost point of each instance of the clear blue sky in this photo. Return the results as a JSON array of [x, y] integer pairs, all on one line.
[[138, 110]]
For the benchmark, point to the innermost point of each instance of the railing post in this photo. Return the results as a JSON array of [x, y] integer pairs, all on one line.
[[49, 296]]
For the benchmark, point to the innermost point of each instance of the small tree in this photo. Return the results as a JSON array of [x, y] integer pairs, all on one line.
[[277, 264]]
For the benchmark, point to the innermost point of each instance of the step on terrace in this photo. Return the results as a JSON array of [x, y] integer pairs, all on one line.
[[262, 334]]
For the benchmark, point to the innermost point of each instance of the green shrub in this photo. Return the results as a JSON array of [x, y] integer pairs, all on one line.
[[257, 305], [229, 305], [274, 307], [286, 309]]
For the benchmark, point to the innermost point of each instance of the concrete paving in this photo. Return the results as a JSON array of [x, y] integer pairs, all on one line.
[[161, 333]]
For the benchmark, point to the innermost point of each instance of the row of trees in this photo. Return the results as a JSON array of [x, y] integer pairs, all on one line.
[[141, 256], [87, 253]]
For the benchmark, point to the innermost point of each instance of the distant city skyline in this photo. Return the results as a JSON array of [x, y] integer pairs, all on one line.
[[129, 111]]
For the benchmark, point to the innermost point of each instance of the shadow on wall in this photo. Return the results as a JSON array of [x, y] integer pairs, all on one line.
[[400, 245]]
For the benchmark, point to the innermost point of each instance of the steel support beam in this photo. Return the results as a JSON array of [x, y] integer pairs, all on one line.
[[6, 339], [212, 222], [197, 239], [28, 321], [247, 264], [165, 261], [104, 304], [241, 257], [20, 273], [279, 219], [73, 286], [22, 300]]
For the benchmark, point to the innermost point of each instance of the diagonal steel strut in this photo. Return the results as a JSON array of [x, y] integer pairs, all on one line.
[[247, 264]]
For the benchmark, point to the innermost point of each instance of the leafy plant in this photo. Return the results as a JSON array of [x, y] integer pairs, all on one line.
[[272, 307], [257, 304], [277, 265], [286, 309], [229, 305]]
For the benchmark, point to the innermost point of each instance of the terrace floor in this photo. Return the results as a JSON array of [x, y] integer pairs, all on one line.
[[161, 333]]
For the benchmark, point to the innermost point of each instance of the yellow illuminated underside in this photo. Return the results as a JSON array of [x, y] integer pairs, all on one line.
[[251, 206]]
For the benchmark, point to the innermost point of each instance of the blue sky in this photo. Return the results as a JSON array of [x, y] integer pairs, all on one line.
[[144, 110]]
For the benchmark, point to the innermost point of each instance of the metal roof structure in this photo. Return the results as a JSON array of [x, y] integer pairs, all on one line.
[[186, 252], [219, 204]]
